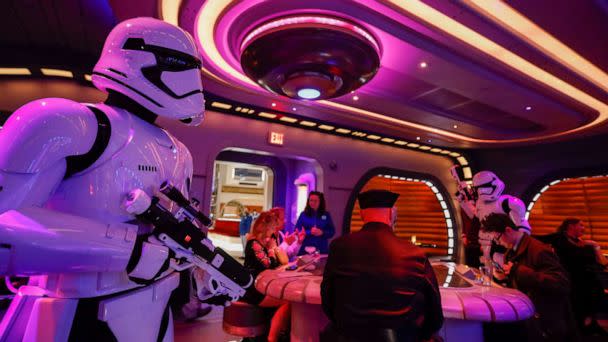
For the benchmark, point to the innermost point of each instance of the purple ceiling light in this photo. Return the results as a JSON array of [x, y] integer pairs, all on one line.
[[291, 56]]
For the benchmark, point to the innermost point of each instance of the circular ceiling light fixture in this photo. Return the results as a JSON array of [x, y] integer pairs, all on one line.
[[309, 93], [310, 57]]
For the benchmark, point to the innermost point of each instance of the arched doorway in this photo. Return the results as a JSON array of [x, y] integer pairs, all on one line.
[[256, 181]]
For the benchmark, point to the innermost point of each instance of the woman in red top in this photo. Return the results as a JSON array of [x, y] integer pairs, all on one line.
[[262, 252]]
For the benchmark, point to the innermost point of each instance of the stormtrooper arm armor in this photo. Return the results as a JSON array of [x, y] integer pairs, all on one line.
[[515, 208], [464, 194], [468, 206], [37, 143], [40, 241]]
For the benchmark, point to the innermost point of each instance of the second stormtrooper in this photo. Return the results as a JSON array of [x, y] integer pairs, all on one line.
[[486, 197]]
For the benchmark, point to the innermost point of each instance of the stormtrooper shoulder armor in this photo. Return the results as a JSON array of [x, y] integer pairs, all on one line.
[[516, 209], [44, 132]]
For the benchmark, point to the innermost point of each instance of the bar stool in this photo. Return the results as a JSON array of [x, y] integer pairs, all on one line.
[[245, 320]]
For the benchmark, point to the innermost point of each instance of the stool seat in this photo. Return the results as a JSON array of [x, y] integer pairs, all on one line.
[[244, 320]]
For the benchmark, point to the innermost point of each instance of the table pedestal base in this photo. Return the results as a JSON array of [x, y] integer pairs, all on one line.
[[307, 321], [458, 330]]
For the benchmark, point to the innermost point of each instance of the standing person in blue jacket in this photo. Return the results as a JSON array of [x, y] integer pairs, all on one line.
[[317, 223], [244, 227]]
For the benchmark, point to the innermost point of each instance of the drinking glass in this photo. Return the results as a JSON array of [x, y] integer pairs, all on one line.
[[486, 275]]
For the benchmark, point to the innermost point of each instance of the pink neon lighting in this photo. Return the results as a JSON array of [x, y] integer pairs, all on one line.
[[310, 20]]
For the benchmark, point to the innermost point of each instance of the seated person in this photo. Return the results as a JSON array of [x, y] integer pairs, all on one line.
[[288, 242], [583, 259], [245, 227], [376, 286], [261, 253], [531, 267]]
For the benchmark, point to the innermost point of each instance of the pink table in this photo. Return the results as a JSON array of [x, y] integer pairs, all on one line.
[[466, 305], [303, 290], [466, 308]]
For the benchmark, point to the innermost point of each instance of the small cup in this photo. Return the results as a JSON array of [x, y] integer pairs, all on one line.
[[486, 275], [478, 277]]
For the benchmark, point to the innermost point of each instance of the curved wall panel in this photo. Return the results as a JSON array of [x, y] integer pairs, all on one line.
[[583, 198]]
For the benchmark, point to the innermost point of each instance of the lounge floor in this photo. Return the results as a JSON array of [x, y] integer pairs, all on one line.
[[208, 328]]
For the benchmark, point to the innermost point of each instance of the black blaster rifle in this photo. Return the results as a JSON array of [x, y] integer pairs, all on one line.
[[225, 278]]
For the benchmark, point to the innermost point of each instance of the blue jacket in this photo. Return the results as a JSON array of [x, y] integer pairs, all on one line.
[[245, 224], [323, 222]]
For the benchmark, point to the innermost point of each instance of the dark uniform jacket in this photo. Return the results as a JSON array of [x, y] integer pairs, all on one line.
[[537, 272], [373, 280], [580, 262]]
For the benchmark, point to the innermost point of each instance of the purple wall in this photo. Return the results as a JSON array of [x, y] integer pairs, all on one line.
[[341, 161], [526, 169]]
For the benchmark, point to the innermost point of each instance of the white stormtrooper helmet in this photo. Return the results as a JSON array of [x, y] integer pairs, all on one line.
[[155, 64], [487, 186]]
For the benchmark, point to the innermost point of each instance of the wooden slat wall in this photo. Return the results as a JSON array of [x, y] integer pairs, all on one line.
[[419, 213], [583, 198]]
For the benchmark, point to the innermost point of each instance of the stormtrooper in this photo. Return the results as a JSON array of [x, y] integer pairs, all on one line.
[[486, 197], [76, 183]]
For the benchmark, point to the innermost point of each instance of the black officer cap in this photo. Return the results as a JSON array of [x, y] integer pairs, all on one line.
[[377, 199]]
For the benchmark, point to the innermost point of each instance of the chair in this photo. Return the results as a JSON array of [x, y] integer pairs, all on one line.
[[245, 320]]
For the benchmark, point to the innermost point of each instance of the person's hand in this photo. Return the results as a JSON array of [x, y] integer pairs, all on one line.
[[271, 252], [301, 235], [592, 243], [507, 268], [499, 258], [499, 275], [281, 256], [465, 241], [271, 244], [291, 238], [316, 231]]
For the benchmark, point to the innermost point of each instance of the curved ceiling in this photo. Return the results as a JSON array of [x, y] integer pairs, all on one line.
[[496, 73], [482, 84]]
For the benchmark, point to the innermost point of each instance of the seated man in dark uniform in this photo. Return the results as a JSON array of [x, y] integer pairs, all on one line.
[[377, 287]]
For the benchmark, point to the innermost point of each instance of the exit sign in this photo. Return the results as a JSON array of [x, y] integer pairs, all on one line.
[[275, 138]]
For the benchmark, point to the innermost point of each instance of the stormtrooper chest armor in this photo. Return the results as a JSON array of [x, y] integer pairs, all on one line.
[[138, 155], [483, 209]]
